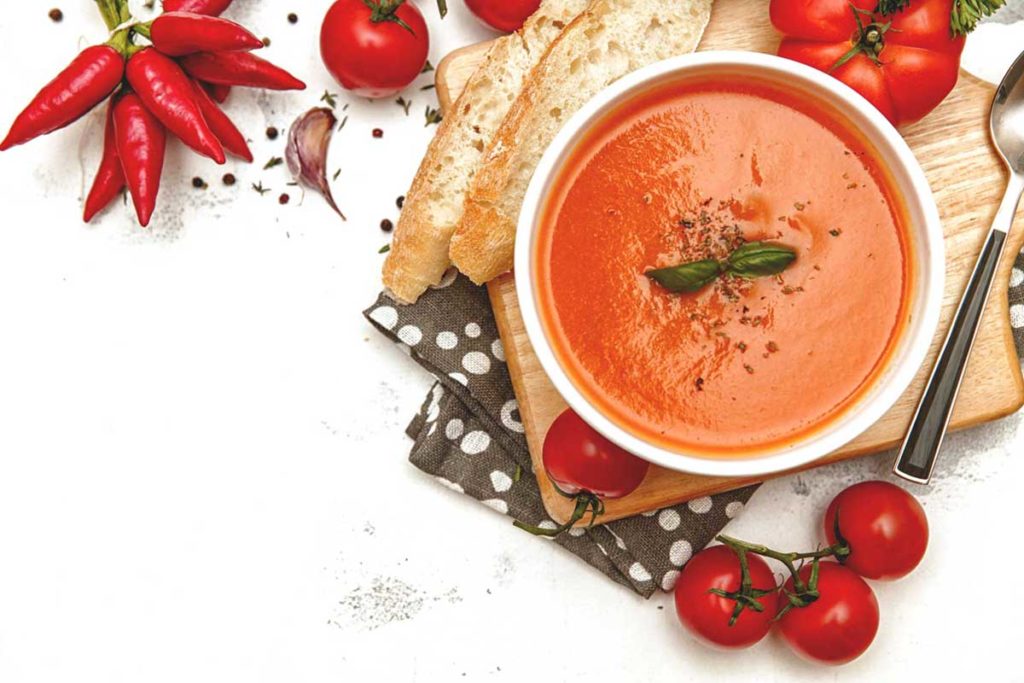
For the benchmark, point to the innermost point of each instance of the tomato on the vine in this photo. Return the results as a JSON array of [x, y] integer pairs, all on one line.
[[578, 460], [884, 526], [904, 63], [840, 624], [708, 614], [503, 15], [587, 467], [374, 48]]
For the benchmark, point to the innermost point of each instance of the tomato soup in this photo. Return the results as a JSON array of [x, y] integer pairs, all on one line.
[[690, 171]]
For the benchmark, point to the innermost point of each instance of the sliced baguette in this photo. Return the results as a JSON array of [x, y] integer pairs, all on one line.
[[610, 39], [433, 206]]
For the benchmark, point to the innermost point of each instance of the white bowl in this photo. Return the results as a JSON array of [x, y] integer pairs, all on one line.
[[927, 253]]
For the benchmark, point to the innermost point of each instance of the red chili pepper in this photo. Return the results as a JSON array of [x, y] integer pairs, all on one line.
[[209, 7], [86, 82], [239, 68], [221, 125], [109, 178], [168, 93], [141, 141], [219, 93], [183, 33]]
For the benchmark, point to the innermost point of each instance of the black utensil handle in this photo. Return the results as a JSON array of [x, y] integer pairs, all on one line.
[[921, 446]]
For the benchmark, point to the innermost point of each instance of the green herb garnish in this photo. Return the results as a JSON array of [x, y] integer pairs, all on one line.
[[751, 260]]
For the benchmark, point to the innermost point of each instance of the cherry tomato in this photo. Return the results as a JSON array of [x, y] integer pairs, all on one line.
[[905, 69], [885, 527], [707, 615], [837, 627], [503, 15], [579, 459], [374, 52]]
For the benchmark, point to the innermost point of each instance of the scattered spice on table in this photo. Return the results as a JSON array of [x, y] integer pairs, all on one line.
[[272, 133], [293, 18], [378, 133], [330, 99], [229, 179], [56, 15], [266, 42], [433, 116], [386, 225], [198, 183], [400, 202], [404, 104], [283, 199], [258, 187], [274, 161]]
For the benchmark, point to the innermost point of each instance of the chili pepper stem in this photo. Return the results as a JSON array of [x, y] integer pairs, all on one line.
[[121, 41], [111, 13]]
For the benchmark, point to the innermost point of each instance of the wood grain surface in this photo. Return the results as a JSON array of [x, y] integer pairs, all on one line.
[[967, 180]]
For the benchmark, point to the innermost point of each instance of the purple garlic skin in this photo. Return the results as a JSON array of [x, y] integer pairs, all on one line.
[[308, 141]]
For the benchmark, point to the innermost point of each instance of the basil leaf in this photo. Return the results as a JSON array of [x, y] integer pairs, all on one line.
[[688, 277], [758, 259]]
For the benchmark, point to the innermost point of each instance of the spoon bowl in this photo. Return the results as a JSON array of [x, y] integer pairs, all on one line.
[[1007, 118]]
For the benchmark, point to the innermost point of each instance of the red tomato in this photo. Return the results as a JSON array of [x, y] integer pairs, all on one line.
[[905, 70], [885, 527], [837, 627], [707, 615], [369, 51], [503, 15], [579, 459]]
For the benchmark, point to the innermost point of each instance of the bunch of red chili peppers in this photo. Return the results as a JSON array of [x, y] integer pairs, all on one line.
[[194, 58]]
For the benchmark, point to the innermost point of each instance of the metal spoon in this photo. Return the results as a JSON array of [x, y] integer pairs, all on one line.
[[921, 446]]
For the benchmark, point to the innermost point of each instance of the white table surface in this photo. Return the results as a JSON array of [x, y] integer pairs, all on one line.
[[203, 474]]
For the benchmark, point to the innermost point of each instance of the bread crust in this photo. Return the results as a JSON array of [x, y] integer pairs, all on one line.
[[608, 40], [433, 205]]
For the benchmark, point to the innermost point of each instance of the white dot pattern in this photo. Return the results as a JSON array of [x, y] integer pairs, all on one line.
[[700, 505], [447, 340], [639, 573], [411, 335], [454, 429], [476, 363], [1017, 316], [475, 442], [669, 519], [385, 316], [680, 552], [734, 508], [473, 330], [1016, 277], [500, 481]]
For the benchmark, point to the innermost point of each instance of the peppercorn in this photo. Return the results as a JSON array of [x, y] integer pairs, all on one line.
[[378, 133], [386, 225], [266, 42], [56, 15], [272, 133], [400, 202], [283, 199], [293, 18], [198, 183], [229, 179]]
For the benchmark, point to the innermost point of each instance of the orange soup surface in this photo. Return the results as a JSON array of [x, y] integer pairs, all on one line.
[[690, 171]]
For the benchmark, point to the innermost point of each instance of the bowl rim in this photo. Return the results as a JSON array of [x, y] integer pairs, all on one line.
[[890, 383]]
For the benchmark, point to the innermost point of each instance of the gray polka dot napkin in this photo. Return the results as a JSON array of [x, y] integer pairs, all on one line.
[[469, 436]]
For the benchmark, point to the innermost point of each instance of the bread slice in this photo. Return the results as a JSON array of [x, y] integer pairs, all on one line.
[[610, 39], [433, 206]]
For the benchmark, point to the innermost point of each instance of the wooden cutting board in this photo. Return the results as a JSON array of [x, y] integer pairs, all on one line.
[[967, 179]]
